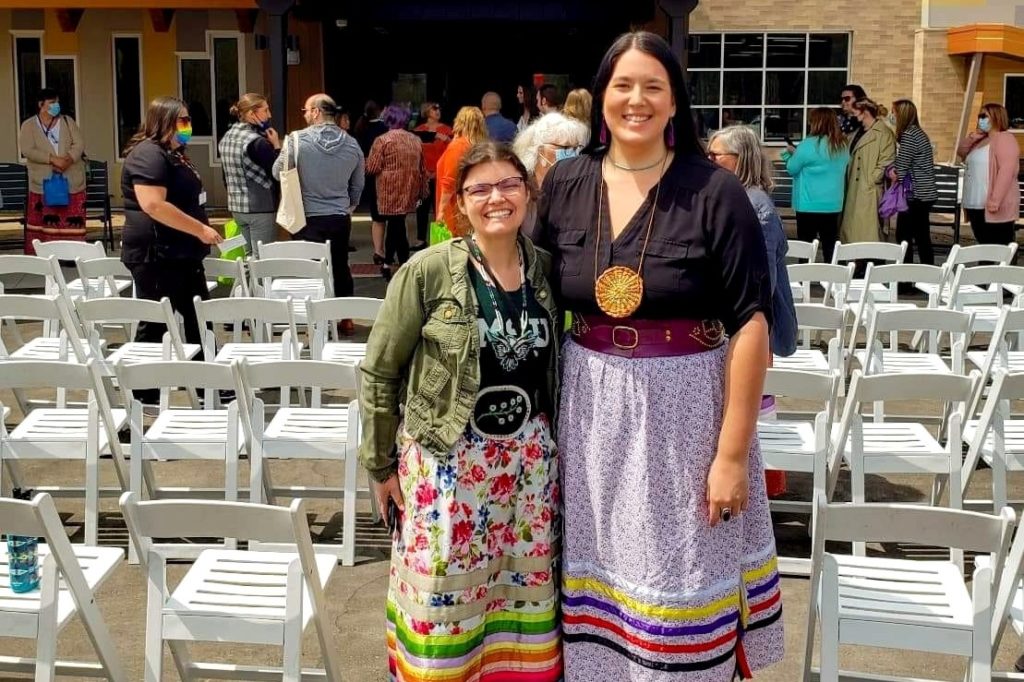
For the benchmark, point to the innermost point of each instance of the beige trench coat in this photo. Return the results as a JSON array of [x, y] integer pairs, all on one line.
[[865, 176]]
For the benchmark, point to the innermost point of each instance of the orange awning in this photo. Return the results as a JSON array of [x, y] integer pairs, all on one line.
[[995, 39]]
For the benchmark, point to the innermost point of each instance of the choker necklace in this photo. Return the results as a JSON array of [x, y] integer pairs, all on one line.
[[637, 169], [619, 290]]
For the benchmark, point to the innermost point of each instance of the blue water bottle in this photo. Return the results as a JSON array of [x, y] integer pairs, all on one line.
[[23, 555]]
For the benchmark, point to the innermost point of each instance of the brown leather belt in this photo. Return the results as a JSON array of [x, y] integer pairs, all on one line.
[[633, 338]]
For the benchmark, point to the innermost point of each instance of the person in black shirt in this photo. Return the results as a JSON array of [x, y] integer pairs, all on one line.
[[166, 232]]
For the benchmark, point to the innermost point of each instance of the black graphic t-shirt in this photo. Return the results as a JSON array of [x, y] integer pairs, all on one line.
[[513, 366]]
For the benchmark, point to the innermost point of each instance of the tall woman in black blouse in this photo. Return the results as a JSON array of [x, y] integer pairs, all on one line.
[[669, 554], [166, 232]]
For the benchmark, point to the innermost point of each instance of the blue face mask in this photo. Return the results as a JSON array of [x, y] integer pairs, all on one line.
[[566, 153], [263, 126], [53, 109], [985, 124]]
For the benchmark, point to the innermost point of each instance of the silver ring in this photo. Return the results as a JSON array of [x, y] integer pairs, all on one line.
[[725, 514]]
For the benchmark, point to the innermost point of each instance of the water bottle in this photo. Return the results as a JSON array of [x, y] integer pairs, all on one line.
[[23, 555]]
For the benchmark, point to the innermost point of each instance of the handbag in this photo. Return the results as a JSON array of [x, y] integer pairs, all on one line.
[[894, 199], [231, 229], [56, 191], [439, 232], [290, 213]]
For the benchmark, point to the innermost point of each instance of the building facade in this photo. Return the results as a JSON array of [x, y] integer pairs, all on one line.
[[760, 62]]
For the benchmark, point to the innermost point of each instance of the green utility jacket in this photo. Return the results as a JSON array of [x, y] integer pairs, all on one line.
[[424, 353]]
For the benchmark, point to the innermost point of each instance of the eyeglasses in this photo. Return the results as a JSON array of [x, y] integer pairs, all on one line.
[[847, 99], [507, 187], [185, 119], [714, 156], [436, 107]]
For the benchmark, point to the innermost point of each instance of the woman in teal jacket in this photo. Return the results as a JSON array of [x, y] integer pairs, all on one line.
[[818, 167]]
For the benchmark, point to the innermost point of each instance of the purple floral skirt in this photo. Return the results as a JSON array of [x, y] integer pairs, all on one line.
[[650, 592]]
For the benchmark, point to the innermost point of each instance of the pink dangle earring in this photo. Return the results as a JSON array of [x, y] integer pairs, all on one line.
[[670, 135], [603, 137]]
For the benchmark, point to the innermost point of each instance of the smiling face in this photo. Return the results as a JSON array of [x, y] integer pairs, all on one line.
[[493, 198], [638, 103]]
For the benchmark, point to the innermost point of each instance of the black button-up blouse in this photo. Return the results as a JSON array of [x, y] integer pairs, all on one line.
[[706, 257]]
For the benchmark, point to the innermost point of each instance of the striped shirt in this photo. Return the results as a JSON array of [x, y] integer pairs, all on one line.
[[915, 155], [396, 158]]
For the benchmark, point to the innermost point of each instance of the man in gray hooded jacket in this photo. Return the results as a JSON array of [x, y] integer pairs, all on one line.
[[330, 165]]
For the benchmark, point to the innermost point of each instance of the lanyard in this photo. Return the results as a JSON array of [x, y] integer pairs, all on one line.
[[46, 129]]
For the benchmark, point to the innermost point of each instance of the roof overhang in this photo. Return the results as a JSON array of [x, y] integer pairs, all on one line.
[[994, 39]]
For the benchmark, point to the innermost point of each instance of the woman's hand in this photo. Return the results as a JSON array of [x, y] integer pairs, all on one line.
[[992, 206], [892, 175], [728, 486], [273, 138], [208, 235], [389, 490]]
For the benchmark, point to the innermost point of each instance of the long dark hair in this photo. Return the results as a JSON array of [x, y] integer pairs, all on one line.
[[161, 123], [653, 45]]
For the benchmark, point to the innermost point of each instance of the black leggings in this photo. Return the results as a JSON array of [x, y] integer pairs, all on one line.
[[423, 213], [821, 226], [990, 233], [338, 230], [396, 242], [913, 228]]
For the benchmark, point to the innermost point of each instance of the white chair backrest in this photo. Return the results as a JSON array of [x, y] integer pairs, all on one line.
[[235, 269], [1000, 254], [351, 307], [835, 278], [801, 250], [991, 277], [905, 272], [48, 268], [920, 319], [264, 270], [97, 312], [295, 248], [185, 374], [263, 313], [820, 317], [314, 374], [951, 388], [892, 253], [798, 385], [68, 250], [47, 309]]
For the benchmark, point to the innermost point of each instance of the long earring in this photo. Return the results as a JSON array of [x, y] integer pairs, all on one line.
[[670, 136], [604, 133]]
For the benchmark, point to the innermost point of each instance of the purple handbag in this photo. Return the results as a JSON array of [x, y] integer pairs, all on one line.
[[894, 199]]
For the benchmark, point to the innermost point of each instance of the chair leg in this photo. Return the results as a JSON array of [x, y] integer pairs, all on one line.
[[348, 512], [46, 638], [857, 486], [182, 660], [156, 594], [92, 483], [829, 621], [292, 664]]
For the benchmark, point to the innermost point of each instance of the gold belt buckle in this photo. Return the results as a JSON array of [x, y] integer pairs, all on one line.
[[622, 327]]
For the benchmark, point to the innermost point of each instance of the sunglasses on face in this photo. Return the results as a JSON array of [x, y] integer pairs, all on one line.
[[847, 99], [509, 186], [714, 156]]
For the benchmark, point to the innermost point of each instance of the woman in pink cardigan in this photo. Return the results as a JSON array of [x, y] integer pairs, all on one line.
[[991, 192]]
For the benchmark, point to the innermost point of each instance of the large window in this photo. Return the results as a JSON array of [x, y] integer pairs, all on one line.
[[1013, 100], [766, 80], [210, 83], [59, 74], [127, 63], [28, 70]]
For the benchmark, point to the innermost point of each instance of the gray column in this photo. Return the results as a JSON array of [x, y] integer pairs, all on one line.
[[277, 34], [678, 12]]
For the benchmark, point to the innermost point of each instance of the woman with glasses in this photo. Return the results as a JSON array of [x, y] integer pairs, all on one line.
[[467, 342], [870, 154], [166, 231], [669, 568], [991, 190], [435, 137]]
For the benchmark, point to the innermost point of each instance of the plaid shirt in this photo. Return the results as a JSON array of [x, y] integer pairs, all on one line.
[[242, 175], [396, 158]]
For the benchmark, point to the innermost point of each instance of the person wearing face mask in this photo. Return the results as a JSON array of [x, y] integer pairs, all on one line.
[[467, 343], [166, 230], [870, 154], [53, 145], [549, 139], [991, 192], [247, 154]]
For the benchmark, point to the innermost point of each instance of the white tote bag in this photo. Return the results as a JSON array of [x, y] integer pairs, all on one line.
[[290, 213]]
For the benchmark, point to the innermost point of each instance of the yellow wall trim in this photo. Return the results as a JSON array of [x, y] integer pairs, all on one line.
[[999, 39]]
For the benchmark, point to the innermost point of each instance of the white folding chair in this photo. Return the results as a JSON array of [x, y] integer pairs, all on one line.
[[299, 248], [802, 251], [932, 323], [901, 447], [998, 354], [799, 445], [265, 598], [69, 575], [98, 312], [317, 432], [834, 280], [996, 437], [817, 318], [183, 434], [297, 279], [261, 315], [70, 251], [876, 251], [102, 277], [65, 433], [978, 254], [32, 267], [885, 279], [66, 345], [217, 269], [980, 290], [908, 604], [325, 313]]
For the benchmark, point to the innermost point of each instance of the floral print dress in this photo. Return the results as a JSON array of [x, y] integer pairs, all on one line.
[[472, 595]]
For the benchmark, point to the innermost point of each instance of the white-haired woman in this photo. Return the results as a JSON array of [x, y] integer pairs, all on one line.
[[738, 149], [545, 142]]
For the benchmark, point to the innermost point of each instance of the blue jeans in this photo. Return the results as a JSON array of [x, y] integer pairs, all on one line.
[[256, 227]]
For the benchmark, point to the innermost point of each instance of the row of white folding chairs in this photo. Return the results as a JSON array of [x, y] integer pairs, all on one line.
[[206, 431], [265, 598]]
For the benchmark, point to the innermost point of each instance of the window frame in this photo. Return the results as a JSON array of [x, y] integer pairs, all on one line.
[[1006, 81], [118, 158], [210, 141], [764, 69], [39, 35], [74, 59]]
